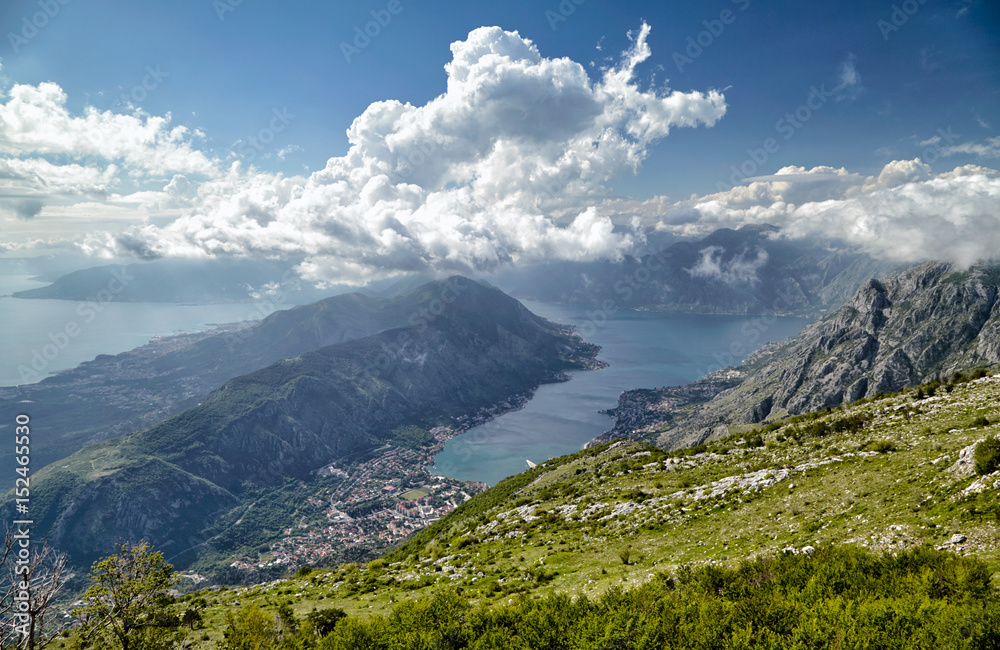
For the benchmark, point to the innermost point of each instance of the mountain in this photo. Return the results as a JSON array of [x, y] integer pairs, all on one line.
[[870, 534], [916, 326], [747, 271], [180, 281], [466, 347], [116, 395]]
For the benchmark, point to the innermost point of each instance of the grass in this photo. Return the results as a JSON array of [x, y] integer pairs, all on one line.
[[615, 515]]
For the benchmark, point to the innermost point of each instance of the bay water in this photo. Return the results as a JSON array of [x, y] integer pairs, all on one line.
[[643, 349]]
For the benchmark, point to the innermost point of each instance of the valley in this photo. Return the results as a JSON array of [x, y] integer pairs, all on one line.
[[623, 516], [328, 459], [251, 451], [500, 326]]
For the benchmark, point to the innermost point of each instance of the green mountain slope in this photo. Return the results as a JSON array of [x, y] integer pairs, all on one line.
[[169, 483], [891, 476]]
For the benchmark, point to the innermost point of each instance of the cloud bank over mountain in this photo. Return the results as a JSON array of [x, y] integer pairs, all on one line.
[[504, 167], [905, 213]]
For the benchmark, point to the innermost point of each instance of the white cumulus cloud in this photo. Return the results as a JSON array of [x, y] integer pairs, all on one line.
[[905, 213], [35, 120], [505, 166]]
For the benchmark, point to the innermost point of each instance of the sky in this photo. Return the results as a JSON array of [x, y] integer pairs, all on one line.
[[370, 139]]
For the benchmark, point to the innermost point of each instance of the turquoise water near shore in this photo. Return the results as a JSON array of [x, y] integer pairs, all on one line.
[[644, 350]]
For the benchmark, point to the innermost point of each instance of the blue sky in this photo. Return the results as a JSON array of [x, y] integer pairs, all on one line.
[[877, 82]]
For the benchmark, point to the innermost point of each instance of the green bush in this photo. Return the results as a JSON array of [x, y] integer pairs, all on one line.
[[839, 597], [987, 456], [883, 446]]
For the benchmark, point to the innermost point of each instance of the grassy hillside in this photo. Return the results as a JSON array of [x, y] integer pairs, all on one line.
[[887, 476]]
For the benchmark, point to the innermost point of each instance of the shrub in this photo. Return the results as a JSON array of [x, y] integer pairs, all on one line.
[[922, 598], [325, 620], [883, 446], [987, 456]]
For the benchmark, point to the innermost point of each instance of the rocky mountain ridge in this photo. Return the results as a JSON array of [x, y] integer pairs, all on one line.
[[926, 322]]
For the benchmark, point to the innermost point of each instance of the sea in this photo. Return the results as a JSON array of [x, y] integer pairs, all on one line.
[[643, 349], [42, 337]]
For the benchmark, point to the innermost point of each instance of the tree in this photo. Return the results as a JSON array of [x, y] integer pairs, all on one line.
[[124, 605], [191, 617], [43, 576], [325, 620], [35, 577]]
